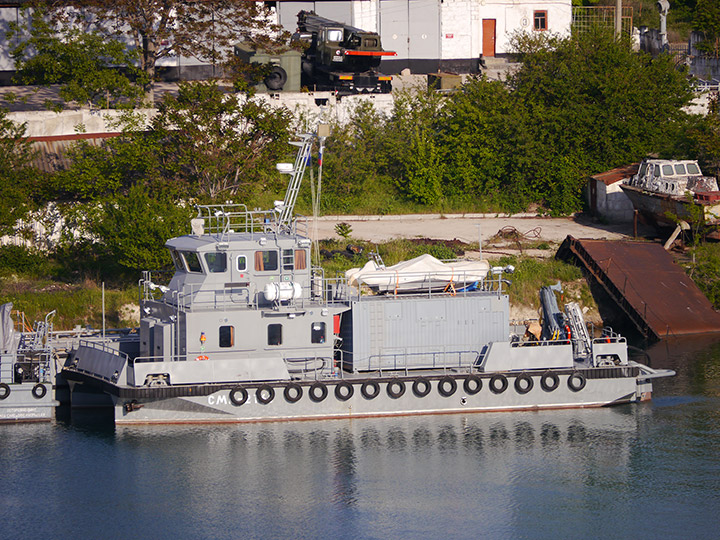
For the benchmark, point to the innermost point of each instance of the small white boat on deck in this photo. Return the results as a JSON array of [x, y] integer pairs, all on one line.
[[422, 273]]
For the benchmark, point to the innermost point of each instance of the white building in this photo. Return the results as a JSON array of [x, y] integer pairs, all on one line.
[[429, 35]]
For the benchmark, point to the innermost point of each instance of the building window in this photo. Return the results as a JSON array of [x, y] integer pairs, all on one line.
[[317, 332], [274, 334], [227, 336], [217, 262], [540, 20], [266, 261]]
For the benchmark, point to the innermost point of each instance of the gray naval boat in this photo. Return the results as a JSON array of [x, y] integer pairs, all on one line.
[[27, 369], [248, 330]]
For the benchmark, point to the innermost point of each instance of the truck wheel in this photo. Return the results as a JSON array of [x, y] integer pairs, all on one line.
[[277, 78]]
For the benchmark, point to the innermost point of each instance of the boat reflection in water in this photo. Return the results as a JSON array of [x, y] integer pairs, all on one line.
[[397, 475]]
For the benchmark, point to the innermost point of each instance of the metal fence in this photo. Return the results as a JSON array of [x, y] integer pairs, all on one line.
[[585, 17]]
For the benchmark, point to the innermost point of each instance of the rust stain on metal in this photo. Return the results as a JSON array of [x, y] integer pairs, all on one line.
[[644, 280]]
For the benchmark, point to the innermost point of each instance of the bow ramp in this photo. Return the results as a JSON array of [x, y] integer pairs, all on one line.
[[647, 284]]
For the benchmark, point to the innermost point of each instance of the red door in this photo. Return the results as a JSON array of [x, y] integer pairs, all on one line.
[[488, 33]]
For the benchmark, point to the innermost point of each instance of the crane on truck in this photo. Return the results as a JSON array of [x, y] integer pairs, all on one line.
[[340, 57]]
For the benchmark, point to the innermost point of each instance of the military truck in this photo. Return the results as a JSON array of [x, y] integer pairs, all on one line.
[[340, 57]]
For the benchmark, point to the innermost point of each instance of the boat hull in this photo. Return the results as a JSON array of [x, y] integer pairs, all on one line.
[[664, 209], [28, 402], [380, 397]]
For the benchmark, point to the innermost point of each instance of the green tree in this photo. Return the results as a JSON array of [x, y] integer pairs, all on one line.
[[415, 157], [156, 30], [133, 229], [706, 19], [20, 183], [84, 64], [219, 144]]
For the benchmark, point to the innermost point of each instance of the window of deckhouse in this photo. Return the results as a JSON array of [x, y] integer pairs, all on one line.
[[227, 336], [266, 261], [217, 262], [540, 20]]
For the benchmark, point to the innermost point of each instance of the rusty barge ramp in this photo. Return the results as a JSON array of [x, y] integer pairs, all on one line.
[[647, 284]]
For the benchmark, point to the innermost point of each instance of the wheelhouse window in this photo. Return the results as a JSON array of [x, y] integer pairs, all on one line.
[[317, 332], [274, 334], [227, 336], [266, 261], [540, 20], [216, 262], [241, 263], [692, 169], [679, 168], [192, 261], [177, 260], [667, 170]]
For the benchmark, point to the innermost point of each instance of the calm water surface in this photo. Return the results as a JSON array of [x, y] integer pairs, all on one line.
[[644, 471]]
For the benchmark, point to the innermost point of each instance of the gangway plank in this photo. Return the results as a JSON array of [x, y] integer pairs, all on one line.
[[647, 285]]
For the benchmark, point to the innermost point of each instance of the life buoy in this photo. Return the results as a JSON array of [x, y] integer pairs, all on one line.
[[39, 391], [498, 383], [472, 384], [523, 383], [344, 391], [568, 332], [293, 392], [370, 389], [238, 396], [318, 391], [395, 388], [265, 394], [201, 357], [447, 392], [549, 381], [421, 387], [576, 381], [4, 391]]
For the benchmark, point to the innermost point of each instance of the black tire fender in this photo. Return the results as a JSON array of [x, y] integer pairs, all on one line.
[[576, 381], [314, 389], [4, 391], [472, 385], [288, 394], [421, 387], [447, 392], [344, 391], [498, 383], [366, 391], [265, 394], [523, 383], [549, 381], [39, 391], [238, 396], [395, 388]]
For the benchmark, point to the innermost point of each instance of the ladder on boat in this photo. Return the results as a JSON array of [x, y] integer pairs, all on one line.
[[298, 170]]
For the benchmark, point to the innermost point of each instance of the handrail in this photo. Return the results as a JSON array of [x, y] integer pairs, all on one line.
[[406, 367]]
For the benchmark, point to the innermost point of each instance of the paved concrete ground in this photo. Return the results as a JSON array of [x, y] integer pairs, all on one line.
[[467, 228]]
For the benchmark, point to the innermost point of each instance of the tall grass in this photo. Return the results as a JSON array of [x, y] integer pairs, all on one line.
[[79, 304]]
